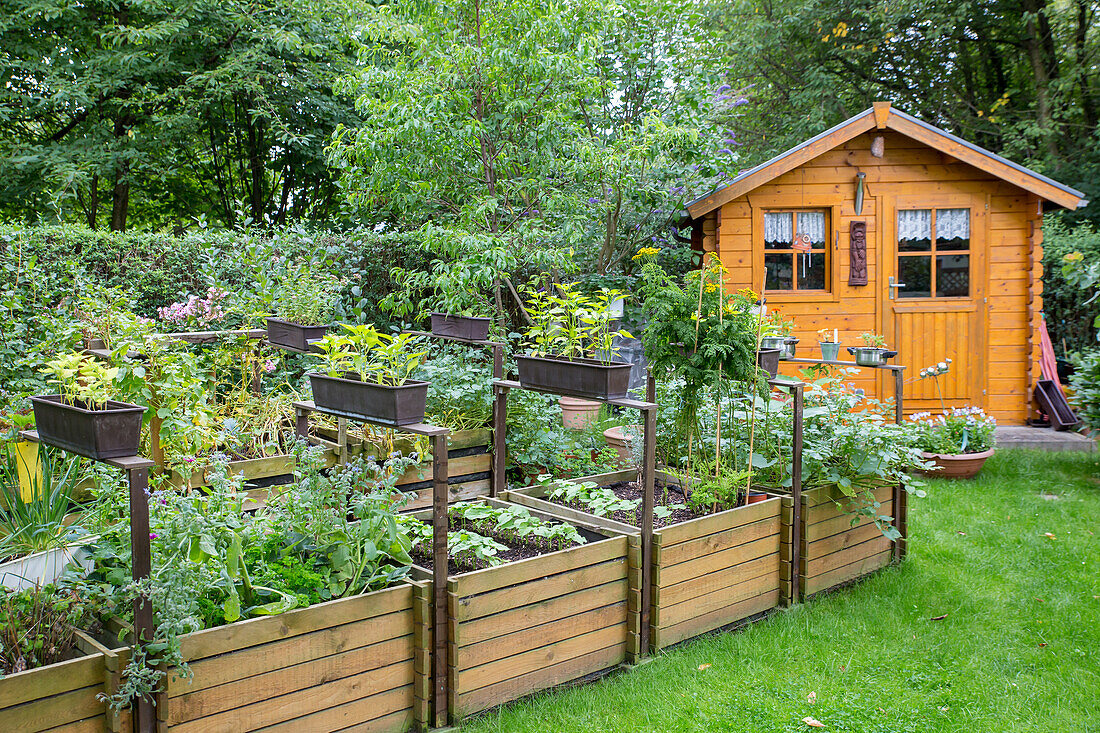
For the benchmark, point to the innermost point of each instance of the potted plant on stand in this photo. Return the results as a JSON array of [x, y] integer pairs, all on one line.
[[367, 376], [303, 309], [873, 352], [829, 341], [82, 417], [573, 345]]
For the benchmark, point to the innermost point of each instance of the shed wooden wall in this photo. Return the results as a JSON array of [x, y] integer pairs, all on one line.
[[1013, 264]]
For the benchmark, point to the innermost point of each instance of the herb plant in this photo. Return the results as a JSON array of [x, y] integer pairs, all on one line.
[[598, 501], [83, 381], [38, 626], [572, 325], [371, 355], [873, 340]]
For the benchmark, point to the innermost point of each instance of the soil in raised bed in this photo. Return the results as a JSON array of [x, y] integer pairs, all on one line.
[[516, 551], [673, 498]]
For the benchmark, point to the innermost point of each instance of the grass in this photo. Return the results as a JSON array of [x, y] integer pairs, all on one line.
[[1017, 651]]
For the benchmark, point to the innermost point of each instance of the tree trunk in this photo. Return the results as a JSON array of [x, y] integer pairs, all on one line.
[[1088, 106], [120, 196], [1034, 43], [256, 168]]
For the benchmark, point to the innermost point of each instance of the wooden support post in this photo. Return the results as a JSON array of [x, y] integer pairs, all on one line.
[[649, 461], [440, 522], [650, 387], [498, 361], [796, 492], [342, 439], [901, 503], [141, 554], [500, 434], [301, 422]]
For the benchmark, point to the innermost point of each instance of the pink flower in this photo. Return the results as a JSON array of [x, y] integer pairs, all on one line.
[[269, 365]]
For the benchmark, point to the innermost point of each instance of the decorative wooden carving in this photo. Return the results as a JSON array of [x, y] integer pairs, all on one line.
[[857, 253]]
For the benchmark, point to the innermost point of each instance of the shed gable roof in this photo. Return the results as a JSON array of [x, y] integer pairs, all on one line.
[[882, 116]]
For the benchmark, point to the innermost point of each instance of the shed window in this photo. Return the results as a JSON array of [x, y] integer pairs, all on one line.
[[796, 250], [934, 253]]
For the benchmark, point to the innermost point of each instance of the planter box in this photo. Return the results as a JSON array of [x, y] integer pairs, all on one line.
[[578, 378], [356, 399], [293, 335], [41, 568], [834, 551], [708, 573], [111, 433], [540, 622], [360, 661], [467, 328], [65, 696]]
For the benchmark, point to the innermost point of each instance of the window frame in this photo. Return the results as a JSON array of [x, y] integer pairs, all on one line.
[[775, 202], [932, 253]]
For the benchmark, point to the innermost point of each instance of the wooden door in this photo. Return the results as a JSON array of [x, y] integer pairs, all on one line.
[[933, 295]]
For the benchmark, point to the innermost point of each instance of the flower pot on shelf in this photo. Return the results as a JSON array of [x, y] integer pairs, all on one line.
[[468, 328], [830, 350], [293, 335], [112, 432], [957, 465], [578, 414], [348, 396], [577, 378], [768, 360]]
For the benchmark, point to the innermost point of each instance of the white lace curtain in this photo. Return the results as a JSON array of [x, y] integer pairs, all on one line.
[[778, 227], [950, 224]]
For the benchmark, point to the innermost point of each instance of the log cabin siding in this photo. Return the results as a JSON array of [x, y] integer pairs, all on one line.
[[1011, 266]]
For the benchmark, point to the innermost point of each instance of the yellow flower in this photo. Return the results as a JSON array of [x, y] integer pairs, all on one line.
[[711, 287], [646, 252], [1074, 257]]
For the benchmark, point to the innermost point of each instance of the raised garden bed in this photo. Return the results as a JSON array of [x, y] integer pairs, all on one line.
[[66, 695], [355, 662], [539, 622], [708, 572], [834, 551]]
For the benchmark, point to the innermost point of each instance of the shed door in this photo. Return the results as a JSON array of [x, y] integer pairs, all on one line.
[[934, 250]]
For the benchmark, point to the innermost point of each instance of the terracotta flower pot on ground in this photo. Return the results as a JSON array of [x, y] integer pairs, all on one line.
[[620, 441], [960, 465]]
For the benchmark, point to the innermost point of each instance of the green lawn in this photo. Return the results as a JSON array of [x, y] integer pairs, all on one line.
[[1017, 650]]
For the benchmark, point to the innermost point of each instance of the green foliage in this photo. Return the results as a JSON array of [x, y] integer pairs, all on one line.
[[38, 522], [82, 380], [1070, 305], [1086, 388], [38, 626], [570, 324], [461, 395], [959, 430], [513, 524], [715, 492], [307, 296], [372, 355], [599, 501]]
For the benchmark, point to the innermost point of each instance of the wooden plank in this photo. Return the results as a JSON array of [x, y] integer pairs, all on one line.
[[536, 614], [54, 679], [567, 513], [726, 598], [832, 494], [840, 523], [285, 679], [360, 715], [718, 580], [473, 655], [716, 619], [480, 581], [847, 573], [88, 725], [555, 674], [471, 607], [383, 685], [709, 544], [719, 560], [457, 492], [242, 634], [841, 540], [820, 564], [48, 712], [524, 663], [694, 528], [463, 466]]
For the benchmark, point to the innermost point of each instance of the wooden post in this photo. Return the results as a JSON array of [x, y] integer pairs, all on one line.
[[649, 461], [500, 433], [301, 422], [498, 361], [440, 526], [796, 491], [901, 497], [141, 554]]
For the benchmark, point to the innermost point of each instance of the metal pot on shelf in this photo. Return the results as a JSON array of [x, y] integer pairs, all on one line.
[[871, 356]]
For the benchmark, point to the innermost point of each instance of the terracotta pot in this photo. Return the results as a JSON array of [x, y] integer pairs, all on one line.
[[620, 441], [578, 414], [755, 497], [962, 465]]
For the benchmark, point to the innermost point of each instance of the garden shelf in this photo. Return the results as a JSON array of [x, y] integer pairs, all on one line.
[[540, 622], [707, 573], [833, 551]]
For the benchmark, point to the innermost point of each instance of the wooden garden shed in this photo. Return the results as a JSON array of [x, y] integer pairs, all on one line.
[[885, 223]]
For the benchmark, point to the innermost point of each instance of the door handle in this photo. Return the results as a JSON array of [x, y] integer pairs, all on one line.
[[892, 287]]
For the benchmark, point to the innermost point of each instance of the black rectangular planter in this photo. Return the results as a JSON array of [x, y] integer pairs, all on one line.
[[577, 378], [467, 328], [293, 335], [113, 432], [350, 397]]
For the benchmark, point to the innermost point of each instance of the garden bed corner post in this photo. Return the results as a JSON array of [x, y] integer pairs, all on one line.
[[440, 521], [649, 471], [796, 490], [137, 470], [901, 496]]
